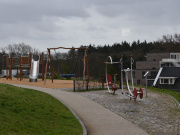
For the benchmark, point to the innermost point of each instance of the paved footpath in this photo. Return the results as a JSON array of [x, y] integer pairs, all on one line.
[[97, 119]]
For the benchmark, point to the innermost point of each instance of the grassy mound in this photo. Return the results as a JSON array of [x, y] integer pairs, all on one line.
[[25, 111]]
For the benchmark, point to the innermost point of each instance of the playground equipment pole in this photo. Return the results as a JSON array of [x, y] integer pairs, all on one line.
[[42, 58], [132, 61], [146, 86], [121, 60], [146, 81]]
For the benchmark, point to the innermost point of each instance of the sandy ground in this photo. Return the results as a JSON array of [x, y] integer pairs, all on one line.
[[40, 83]]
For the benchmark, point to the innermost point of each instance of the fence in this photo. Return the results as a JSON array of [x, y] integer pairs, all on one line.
[[93, 84]]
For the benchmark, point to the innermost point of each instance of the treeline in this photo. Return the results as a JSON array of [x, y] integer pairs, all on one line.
[[72, 62], [138, 50]]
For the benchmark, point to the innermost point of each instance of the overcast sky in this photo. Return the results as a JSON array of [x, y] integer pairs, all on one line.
[[54, 23]]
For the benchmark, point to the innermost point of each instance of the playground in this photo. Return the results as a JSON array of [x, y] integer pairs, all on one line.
[[156, 113]]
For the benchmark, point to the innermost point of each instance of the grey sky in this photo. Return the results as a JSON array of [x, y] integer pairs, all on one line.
[[53, 23]]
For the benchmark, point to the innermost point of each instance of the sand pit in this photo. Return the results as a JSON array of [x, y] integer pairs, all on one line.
[[40, 83]]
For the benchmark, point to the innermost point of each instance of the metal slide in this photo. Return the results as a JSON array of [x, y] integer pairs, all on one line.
[[34, 71]]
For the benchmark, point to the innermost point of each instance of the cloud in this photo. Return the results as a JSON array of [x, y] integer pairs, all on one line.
[[47, 23]]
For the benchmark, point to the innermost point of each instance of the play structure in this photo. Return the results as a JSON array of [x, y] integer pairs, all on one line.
[[23, 63], [19, 63], [49, 60], [134, 92], [34, 70], [112, 87]]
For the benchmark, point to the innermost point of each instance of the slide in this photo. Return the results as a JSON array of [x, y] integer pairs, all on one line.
[[34, 71]]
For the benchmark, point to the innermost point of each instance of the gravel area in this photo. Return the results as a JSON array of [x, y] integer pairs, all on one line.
[[158, 114]]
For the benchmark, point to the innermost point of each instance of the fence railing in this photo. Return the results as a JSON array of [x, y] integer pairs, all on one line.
[[92, 84]]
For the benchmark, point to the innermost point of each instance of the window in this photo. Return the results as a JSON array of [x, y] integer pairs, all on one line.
[[162, 81], [173, 56], [138, 82], [133, 74], [143, 72], [167, 81], [154, 59], [170, 81]]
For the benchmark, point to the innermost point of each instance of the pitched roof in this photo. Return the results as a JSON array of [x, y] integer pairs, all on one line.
[[170, 72]]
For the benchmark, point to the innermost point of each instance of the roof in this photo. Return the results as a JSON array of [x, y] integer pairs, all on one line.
[[170, 72]]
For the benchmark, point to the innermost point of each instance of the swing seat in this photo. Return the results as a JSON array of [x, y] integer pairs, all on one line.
[[109, 80]]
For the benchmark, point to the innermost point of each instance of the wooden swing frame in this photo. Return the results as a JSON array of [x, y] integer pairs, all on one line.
[[49, 58]]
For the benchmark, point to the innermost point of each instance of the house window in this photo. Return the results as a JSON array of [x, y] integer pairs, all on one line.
[[167, 81], [138, 82], [162, 81], [133, 74], [170, 81], [173, 56]]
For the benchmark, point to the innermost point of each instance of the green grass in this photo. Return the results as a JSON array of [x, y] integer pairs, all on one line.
[[173, 93], [25, 111]]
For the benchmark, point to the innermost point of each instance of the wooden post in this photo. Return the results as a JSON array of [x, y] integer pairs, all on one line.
[[46, 68], [42, 59], [50, 65], [20, 69], [84, 70], [74, 85], [11, 66], [17, 72], [87, 64]]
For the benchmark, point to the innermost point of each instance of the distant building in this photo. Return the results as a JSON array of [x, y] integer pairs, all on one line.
[[169, 78], [14, 72], [152, 64], [169, 72]]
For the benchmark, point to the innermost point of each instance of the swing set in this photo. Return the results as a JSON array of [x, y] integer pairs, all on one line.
[[49, 59]]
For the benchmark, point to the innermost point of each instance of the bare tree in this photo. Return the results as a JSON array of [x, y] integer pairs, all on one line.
[[19, 49]]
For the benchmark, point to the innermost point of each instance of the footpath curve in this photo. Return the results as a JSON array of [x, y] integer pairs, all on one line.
[[97, 119]]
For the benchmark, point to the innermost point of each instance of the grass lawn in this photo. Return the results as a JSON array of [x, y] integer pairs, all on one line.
[[173, 93], [25, 111]]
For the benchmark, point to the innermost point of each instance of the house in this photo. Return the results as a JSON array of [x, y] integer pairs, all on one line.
[[169, 72], [155, 63], [152, 64], [169, 78]]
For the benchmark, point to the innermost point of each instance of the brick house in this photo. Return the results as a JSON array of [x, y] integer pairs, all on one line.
[[152, 64], [155, 62]]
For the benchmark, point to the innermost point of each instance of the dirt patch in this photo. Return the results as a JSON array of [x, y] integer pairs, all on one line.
[[40, 83], [158, 114]]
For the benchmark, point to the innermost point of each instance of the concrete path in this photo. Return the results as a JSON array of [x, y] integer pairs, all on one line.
[[97, 119]]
